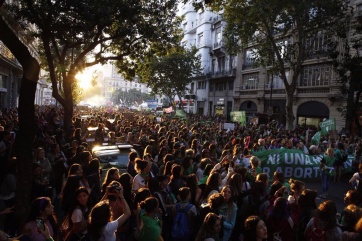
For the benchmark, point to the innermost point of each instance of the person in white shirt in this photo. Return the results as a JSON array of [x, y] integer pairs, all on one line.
[[100, 227]]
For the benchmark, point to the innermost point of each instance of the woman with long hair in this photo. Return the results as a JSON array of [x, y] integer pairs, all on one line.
[[143, 169], [93, 178], [74, 180], [196, 191], [101, 228], [325, 220], [41, 209], [176, 180], [255, 229], [77, 218], [279, 221], [210, 228], [111, 175], [228, 212], [212, 186], [126, 181]]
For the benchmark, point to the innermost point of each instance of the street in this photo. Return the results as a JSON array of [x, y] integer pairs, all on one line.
[[336, 192]]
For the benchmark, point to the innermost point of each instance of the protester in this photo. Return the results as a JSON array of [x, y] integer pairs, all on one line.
[[101, 228], [255, 229], [325, 220], [41, 211], [210, 228]]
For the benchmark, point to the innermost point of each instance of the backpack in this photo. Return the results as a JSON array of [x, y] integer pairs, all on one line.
[[180, 228], [316, 234]]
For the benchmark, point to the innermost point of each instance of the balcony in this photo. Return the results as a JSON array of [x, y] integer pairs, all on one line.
[[218, 45], [249, 65], [222, 73], [203, 44]]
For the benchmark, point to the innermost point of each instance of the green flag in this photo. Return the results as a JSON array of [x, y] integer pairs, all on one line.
[[327, 125], [180, 114], [316, 138]]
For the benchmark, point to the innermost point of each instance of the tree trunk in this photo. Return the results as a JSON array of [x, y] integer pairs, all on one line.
[[25, 137], [68, 107], [351, 109], [23, 148], [289, 110]]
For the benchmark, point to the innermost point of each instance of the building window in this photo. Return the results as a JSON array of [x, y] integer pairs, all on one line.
[[221, 64], [192, 87], [218, 36], [213, 66], [276, 80], [201, 85], [211, 87], [249, 59], [317, 46], [231, 84], [200, 39], [3, 79], [250, 81], [316, 75]]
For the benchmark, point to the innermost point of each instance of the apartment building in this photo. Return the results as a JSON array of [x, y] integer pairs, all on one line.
[[113, 81], [212, 93], [236, 83], [317, 96]]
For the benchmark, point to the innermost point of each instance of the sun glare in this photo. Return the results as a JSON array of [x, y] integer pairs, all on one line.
[[84, 80]]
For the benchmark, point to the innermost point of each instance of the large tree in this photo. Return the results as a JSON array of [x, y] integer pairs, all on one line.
[[348, 65], [170, 74], [282, 34], [78, 34], [26, 112]]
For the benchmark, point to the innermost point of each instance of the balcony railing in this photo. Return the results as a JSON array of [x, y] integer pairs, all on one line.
[[222, 73], [249, 65], [218, 45]]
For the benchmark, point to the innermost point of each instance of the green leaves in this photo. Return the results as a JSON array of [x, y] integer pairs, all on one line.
[[171, 73]]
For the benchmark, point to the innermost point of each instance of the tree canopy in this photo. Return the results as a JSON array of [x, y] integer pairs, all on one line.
[[74, 35], [283, 34], [170, 74]]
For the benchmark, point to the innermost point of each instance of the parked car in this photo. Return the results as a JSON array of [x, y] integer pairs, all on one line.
[[113, 156]]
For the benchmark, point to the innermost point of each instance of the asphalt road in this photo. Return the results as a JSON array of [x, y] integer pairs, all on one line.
[[336, 192]]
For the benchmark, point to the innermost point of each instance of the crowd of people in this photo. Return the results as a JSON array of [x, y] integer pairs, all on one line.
[[189, 179]]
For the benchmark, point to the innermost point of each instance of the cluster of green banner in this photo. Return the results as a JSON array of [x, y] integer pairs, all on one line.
[[238, 116], [295, 164]]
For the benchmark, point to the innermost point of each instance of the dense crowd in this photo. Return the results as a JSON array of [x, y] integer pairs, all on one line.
[[189, 179]]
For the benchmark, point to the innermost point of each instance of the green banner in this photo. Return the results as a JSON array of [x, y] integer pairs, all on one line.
[[238, 116], [328, 125], [180, 114], [295, 164]]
